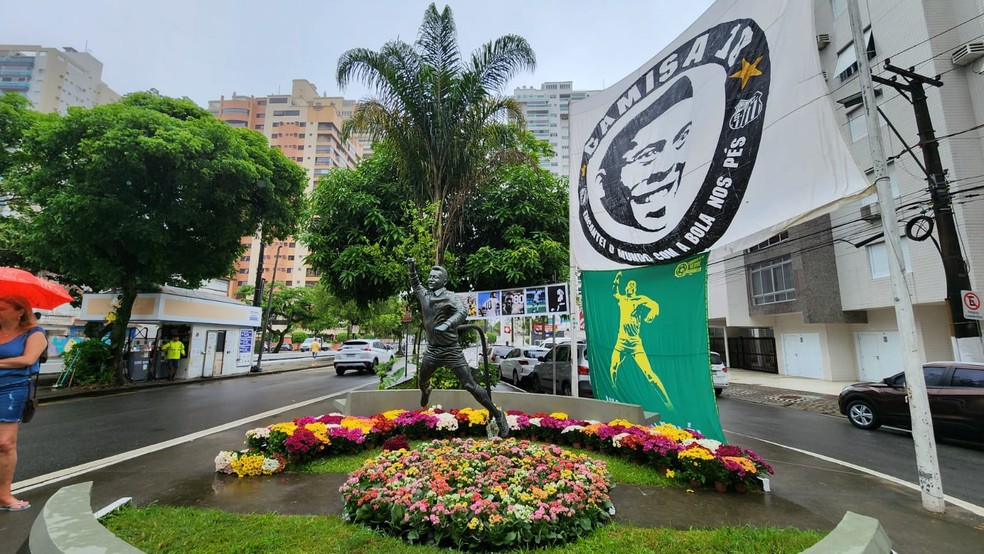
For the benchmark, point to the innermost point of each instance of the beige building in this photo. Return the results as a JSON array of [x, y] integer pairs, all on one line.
[[816, 301], [547, 113], [53, 79], [306, 127]]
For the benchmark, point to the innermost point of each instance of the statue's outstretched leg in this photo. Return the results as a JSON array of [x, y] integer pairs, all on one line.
[[469, 384], [424, 373]]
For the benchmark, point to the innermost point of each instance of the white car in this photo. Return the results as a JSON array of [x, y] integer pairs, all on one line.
[[518, 364], [361, 355], [719, 373]]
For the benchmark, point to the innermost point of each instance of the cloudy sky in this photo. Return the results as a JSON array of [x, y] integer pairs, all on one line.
[[206, 48]]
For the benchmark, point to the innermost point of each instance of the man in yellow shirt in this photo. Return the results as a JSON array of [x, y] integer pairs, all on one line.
[[173, 352]]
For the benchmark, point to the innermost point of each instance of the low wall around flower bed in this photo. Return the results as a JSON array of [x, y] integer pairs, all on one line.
[[367, 403]]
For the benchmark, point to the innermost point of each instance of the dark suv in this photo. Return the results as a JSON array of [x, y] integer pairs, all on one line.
[[956, 400]]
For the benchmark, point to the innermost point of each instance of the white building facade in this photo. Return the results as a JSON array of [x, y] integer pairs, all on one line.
[[816, 300], [548, 117], [53, 79]]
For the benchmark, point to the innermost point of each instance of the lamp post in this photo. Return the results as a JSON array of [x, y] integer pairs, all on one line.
[[266, 317]]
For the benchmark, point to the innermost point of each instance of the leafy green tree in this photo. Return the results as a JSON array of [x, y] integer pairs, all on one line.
[[515, 230], [148, 191], [441, 112]]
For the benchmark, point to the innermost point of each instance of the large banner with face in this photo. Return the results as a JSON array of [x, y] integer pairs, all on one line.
[[647, 341], [727, 134]]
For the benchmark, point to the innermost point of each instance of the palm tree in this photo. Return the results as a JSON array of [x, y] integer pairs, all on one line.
[[444, 115]]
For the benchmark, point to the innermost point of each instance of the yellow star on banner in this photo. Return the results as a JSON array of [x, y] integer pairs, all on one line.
[[748, 70]]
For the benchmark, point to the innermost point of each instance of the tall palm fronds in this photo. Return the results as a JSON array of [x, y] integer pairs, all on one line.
[[444, 115]]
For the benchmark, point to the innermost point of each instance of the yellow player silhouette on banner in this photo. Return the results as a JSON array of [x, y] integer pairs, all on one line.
[[633, 310]]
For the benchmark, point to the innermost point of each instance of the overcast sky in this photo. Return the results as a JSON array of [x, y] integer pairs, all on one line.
[[203, 49]]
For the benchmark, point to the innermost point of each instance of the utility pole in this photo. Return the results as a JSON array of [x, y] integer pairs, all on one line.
[[927, 464], [965, 333], [266, 318]]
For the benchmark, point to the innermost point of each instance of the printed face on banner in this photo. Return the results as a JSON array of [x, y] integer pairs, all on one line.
[[513, 302], [664, 171], [536, 301], [488, 304]]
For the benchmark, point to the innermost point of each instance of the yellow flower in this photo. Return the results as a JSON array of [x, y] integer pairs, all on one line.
[[356, 423], [393, 414], [319, 430], [287, 427], [248, 465], [474, 523], [559, 415], [696, 454], [672, 432], [670, 473]]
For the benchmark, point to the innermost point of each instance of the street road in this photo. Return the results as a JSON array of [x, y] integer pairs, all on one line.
[[887, 451], [66, 433]]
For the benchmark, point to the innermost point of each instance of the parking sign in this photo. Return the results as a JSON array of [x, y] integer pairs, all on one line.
[[971, 302]]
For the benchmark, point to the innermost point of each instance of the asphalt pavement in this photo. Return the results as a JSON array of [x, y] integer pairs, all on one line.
[[806, 491]]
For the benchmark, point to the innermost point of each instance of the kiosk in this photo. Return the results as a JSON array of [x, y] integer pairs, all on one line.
[[217, 331]]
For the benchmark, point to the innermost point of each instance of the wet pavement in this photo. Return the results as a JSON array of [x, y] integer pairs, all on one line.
[[806, 492]]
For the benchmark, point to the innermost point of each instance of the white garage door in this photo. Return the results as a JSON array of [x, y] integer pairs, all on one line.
[[801, 355], [879, 355]]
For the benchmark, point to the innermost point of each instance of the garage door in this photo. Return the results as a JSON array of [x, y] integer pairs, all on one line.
[[801, 355], [879, 355]]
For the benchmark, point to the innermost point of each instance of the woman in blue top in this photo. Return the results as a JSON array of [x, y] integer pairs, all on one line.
[[21, 344]]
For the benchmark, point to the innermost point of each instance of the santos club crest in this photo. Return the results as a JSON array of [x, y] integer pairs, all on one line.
[[664, 171]]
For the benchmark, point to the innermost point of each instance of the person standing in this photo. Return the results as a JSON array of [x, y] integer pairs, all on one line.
[[443, 312], [21, 343], [315, 348], [173, 352]]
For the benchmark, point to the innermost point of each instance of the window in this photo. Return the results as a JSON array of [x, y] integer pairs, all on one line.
[[770, 241], [892, 177], [234, 110], [277, 113], [847, 59], [968, 378], [258, 127], [322, 161], [289, 283], [278, 100], [838, 6], [772, 281], [878, 258], [934, 376], [858, 124]]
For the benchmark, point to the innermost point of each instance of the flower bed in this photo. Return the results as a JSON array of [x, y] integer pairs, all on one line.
[[480, 493], [681, 453]]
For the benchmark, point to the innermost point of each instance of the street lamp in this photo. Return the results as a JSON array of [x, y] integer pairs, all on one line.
[[266, 318]]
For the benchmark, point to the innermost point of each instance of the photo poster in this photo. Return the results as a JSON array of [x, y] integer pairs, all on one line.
[[542, 300]]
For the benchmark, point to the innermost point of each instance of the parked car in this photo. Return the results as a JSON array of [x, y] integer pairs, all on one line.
[[306, 345], [719, 373], [956, 400], [361, 355], [496, 353], [548, 372], [285, 347], [518, 364]]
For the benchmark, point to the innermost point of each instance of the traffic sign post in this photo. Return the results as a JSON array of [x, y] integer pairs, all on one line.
[[971, 302]]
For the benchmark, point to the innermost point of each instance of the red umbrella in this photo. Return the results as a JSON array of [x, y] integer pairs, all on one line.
[[39, 292]]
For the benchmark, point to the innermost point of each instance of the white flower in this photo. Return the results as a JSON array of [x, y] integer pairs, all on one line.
[[259, 432], [571, 428], [617, 439], [513, 421], [446, 422], [709, 444], [535, 421], [223, 462], [271, 464]]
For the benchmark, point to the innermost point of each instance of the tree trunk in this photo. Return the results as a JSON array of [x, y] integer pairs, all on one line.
[[117, 338], [439, 231]]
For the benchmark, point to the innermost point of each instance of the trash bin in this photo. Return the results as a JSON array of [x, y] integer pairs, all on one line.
[[138, 365]]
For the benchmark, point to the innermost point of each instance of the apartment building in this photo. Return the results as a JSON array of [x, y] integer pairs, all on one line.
[[816, 300], [53, 79], [546, 110], [306, 127]]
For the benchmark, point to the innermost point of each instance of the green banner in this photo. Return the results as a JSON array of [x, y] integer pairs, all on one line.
[[647, 341]]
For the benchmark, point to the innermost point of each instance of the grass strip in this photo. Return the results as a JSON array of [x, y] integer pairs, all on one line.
[[164, 529]]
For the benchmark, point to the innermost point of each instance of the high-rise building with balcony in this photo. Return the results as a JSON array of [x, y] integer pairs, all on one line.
[[53, 79], [548, 117], [306, 127]]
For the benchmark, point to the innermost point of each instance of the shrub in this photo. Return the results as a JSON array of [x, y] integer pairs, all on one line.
[[93, 363], [445, 379], [297, 337]]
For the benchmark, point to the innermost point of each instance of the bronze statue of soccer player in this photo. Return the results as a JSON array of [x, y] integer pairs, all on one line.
[[443, 313]]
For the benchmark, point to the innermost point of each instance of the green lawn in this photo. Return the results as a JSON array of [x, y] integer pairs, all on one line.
[[165, 529]]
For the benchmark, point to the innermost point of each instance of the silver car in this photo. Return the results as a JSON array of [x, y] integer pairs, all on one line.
[[517, 365], [719, 373], [548, 374], [361, 355]]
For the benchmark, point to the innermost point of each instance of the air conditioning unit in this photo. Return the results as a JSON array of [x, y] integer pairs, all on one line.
[[967, 53], [822, 41], [871, 212]]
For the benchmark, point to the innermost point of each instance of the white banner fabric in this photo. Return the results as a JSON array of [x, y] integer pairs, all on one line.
[[727, 135]]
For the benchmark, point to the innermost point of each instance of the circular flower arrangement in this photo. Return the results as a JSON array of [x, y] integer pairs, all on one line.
[[480, 493]]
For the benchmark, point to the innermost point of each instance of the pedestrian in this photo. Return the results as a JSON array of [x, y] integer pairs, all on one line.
[[21, 343], [315, 348], [173, 351]]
